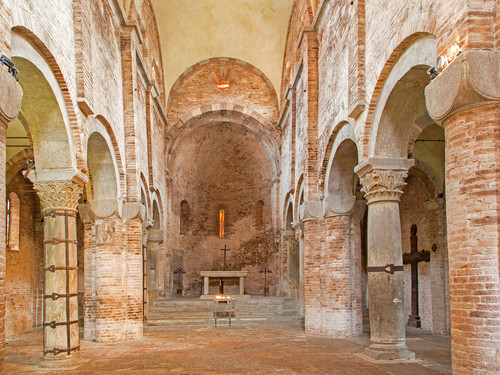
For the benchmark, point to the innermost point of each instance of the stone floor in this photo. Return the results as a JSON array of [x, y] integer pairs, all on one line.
[[252, 349]]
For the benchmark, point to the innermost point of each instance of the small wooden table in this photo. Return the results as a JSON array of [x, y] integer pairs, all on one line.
[[223, 274]]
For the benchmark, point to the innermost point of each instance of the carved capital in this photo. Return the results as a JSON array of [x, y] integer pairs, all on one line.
[[383, 185], [10, 97], [383, 178], [288, 235], [155, 235], [471, 80], [62, 195], [299, 231]]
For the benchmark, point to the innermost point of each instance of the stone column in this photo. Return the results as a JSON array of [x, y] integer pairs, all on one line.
[[382, 180], [10, 104], [61, 338], [464, 99]]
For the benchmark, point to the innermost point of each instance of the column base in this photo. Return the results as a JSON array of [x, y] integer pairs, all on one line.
[[414, 321], [66, 362], [389, 352]]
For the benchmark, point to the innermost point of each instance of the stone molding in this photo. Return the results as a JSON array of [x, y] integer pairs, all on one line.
[[156, 235], [299, 231], [289, 234], [383, 178], [338, 205], [311, 210], [11, 97], [111, 208], [58, 195], [471, 80]]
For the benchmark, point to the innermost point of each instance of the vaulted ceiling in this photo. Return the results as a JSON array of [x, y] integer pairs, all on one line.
[[251, 30]]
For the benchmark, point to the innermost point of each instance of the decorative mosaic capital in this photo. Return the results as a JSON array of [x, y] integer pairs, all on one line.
[[62, 195], [383, 185]]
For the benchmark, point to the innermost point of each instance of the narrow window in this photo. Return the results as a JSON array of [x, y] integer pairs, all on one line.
[[221, 223]]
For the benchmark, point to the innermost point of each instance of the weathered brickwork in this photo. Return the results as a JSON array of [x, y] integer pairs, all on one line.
[[263, 154], [472, 212]]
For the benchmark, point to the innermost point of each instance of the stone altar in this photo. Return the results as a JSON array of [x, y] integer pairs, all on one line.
[[223, 274]]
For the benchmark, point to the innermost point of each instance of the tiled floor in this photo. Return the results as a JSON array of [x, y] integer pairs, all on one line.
[[252, 349]]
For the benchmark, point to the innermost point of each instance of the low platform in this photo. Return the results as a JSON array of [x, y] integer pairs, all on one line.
[[200, 311], [236, 296]]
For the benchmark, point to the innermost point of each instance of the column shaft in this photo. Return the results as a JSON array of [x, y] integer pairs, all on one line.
[[382, 180], [385, 290]]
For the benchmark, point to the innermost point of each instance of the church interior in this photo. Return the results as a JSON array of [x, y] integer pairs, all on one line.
[[250, 186]]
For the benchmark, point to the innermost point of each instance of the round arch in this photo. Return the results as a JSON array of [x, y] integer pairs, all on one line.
[[47, 106], [417, 50]]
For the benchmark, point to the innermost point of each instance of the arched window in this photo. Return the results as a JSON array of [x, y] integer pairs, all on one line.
[[13, 222]]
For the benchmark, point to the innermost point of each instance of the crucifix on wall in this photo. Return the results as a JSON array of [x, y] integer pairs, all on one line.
[[413, 258]]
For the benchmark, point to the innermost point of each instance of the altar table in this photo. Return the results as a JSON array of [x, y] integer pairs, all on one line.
[[223, 274]]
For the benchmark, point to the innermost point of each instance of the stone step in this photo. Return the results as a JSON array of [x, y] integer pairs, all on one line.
[[223, 321], [201, 312]]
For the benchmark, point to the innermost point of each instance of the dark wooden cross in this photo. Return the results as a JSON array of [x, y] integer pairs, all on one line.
[[225, 249], [413, 258], [179, 271], [221, 283], [265, 271]]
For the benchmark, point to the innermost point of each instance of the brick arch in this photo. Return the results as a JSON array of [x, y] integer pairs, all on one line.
[[428, 177], [116, 152], [366, 134], [196, 89], [300, 185], [15, 163], [226, 114], [49, 58], [145, 189], [289, 201], [157, 200], [337, 135]]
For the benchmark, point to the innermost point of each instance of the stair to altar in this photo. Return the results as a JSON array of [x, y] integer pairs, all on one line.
[[196, 311]]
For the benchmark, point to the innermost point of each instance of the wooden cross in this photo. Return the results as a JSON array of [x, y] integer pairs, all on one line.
[[265, 271], [413, 258], [225, 249]]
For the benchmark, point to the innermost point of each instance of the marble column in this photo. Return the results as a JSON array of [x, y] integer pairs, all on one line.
[[10, 104], [382, 180], [465, 100], [61, 338]]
